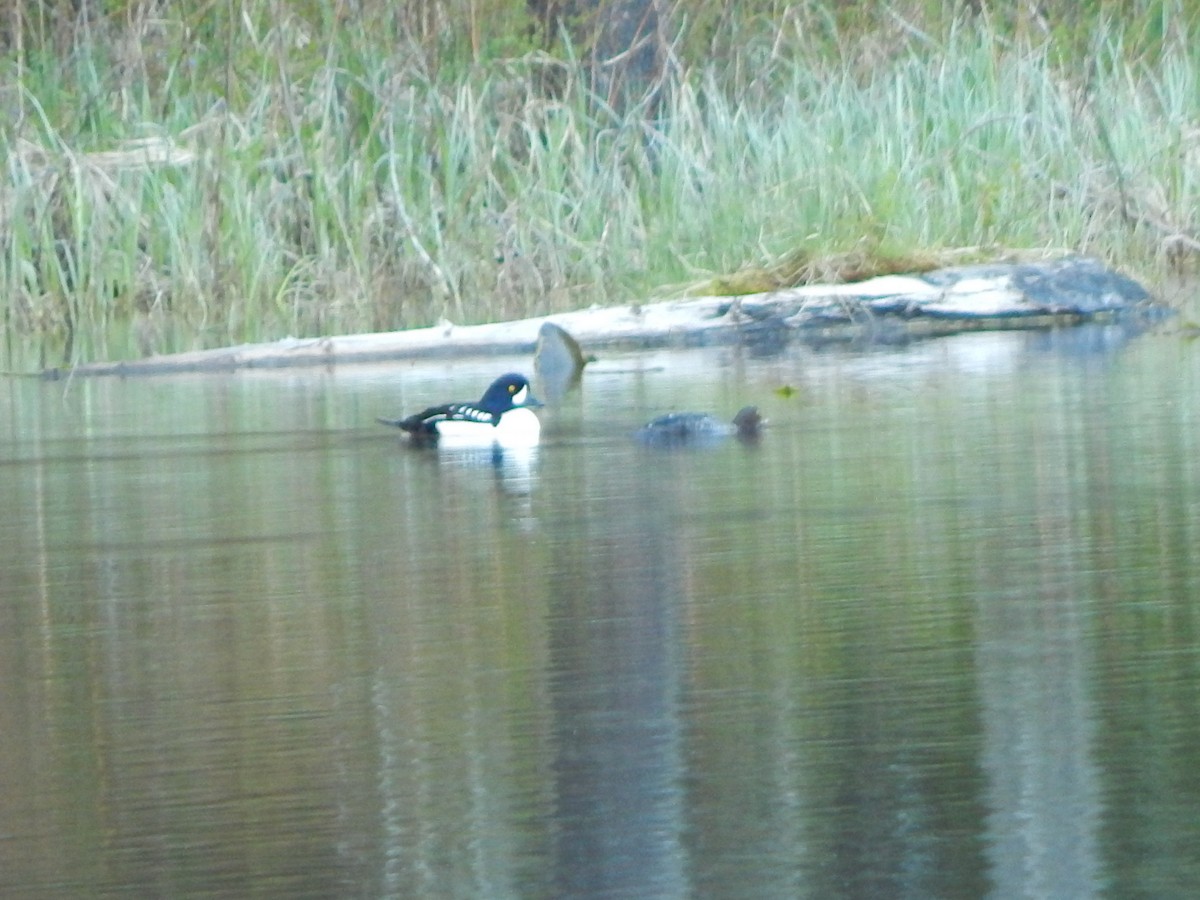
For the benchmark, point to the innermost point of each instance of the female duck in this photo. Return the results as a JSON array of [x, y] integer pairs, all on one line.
[[689, 428], [503, 416]]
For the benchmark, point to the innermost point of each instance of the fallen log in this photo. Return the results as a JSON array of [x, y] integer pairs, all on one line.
[[996, 296]]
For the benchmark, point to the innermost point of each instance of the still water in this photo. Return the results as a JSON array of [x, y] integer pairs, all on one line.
[[935, 635]]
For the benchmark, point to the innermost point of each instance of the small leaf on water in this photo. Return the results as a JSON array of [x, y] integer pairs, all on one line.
[[785, 391], [1189, 331]]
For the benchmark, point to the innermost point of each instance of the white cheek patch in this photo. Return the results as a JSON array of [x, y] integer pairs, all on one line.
[[519, 397]]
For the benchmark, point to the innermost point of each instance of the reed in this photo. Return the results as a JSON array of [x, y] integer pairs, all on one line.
[[284, 170]]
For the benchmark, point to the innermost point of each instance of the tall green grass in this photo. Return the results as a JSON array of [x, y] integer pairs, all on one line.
[[319, 175]]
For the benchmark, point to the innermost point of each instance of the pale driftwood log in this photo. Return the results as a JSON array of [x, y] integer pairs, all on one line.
[[945, 301]]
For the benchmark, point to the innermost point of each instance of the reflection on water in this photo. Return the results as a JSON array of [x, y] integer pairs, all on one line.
[[932, 636]]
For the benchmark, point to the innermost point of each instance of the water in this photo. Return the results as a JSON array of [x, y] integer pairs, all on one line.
[[934, 636]]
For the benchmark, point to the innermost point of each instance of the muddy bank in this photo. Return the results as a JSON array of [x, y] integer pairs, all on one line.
[[892, 308]]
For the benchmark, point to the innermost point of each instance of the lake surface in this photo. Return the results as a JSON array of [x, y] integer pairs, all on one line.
[[936, 635]]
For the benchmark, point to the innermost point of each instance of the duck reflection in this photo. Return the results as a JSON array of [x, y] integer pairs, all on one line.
[[514, 473], [515, 467]]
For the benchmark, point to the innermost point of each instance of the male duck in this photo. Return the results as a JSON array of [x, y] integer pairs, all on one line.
[[682, 429], [504, 416]]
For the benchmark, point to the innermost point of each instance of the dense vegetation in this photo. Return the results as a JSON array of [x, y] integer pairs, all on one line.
[[192, 174]]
